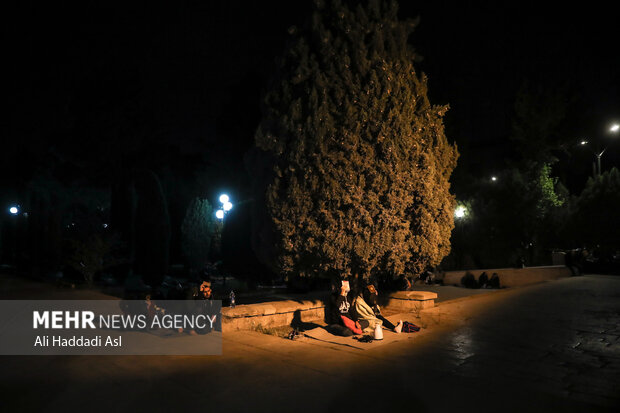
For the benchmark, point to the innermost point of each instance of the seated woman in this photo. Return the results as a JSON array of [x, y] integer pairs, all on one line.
[[341, 321], [369, 313]]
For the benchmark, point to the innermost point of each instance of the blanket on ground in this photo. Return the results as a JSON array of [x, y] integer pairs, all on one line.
[[322, 336]]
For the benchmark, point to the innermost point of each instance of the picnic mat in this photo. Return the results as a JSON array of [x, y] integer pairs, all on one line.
[[321, 334]]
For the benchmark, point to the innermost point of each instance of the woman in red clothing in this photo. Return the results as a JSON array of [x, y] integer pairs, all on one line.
[[342, 323]]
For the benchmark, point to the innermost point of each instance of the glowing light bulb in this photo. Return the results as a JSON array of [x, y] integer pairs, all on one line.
[[460, 211]]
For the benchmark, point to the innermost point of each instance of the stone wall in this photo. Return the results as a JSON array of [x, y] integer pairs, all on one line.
[[513, 277], [281, 313], [271, 314]]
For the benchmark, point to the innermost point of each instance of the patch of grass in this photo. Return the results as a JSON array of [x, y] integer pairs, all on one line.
[[281, 331]]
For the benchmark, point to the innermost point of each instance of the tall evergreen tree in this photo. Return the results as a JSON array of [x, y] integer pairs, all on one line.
[[197, 231], [351, 166]]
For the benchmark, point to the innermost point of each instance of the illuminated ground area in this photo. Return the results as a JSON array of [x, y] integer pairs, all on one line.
[[549, 347]]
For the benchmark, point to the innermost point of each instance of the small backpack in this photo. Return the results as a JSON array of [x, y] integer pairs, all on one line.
[[410, 327]]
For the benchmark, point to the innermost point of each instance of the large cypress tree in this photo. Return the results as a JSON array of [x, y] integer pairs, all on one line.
[[198, 229], [351, 166]]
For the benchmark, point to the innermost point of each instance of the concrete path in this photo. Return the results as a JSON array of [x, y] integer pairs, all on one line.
[[549, 347]]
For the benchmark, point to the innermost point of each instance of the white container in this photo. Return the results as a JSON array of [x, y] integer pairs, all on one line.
[[378, 332]]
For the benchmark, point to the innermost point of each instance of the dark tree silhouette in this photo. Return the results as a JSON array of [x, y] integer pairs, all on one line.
[[197, 231], [152, 228], [597, 219]]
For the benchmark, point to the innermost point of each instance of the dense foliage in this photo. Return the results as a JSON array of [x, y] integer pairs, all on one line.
[[519, 215], [197, 231], [597, 219], [351, 167]]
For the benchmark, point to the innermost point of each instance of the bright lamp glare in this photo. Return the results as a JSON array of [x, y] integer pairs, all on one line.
[[224, 198], [460, 212], [614, 128], [227, 206], [219, 214], [14, 210], [494, 178], [584, 142]]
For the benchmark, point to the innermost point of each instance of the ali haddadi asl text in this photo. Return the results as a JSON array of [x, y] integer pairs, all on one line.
[[75, 341]]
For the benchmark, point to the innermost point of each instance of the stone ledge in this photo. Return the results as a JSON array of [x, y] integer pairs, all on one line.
[[271, 314], [271, 308], [413, 295], [281, 313]]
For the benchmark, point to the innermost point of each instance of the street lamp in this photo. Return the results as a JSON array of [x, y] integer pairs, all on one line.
[[225, 206], [598, 154], [14, 210], [460, 211], [494, 178]]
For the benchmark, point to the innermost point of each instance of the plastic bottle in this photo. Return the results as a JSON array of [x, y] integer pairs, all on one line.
[[232, 299], [378, 332]]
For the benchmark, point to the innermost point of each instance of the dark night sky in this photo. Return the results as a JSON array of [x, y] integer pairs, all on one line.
[[166, 85]]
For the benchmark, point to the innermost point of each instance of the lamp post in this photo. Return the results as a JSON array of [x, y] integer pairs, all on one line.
[[599, 154], [225, 207], [14, 211]]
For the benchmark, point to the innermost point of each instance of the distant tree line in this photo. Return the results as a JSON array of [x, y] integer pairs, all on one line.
[[521, 213]]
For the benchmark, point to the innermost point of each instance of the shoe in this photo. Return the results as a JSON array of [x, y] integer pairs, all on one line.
[[364, 339], [399, 327]]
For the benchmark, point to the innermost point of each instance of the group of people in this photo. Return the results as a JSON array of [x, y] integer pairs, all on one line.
[[203, 303], [359, 315]]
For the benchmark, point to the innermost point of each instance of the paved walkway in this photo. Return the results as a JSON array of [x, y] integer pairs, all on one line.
[[548, 347]]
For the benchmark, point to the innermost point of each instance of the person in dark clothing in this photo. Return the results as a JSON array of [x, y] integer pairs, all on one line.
[[341, 323], [205, 296], [205, 292]]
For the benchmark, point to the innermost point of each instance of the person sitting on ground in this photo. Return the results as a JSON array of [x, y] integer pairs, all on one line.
[[152, 309], [204, 293], [370, 295], [341, 321], [365, 316]]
